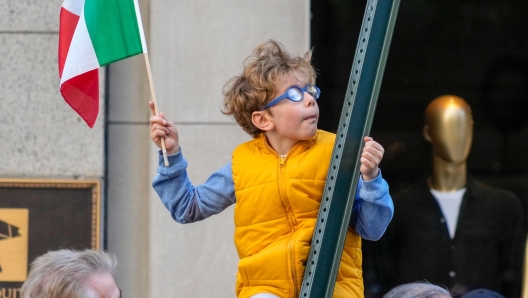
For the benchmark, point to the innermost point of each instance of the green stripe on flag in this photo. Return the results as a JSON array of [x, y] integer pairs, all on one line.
[[113, 29]]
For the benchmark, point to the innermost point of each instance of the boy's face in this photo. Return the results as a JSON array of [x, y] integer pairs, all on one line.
[[294, 121]]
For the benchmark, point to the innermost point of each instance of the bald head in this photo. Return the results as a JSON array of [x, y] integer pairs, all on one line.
[[449, 128]]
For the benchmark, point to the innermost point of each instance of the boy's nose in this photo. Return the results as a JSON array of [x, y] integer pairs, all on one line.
[[308, 99]]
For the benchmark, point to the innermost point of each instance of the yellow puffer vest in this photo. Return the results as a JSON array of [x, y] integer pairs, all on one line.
[[277, 202]]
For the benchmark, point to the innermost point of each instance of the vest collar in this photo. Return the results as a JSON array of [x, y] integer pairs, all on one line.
[[301, 146]]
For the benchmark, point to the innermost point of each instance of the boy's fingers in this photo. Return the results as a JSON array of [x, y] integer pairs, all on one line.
[[371, 157], [367, 163], [154, 135], [368, 155], [158, 133], [157, 120], [370, 142], [374, 145], [374, 150], [374, 157], [157, 126], [370, 148]]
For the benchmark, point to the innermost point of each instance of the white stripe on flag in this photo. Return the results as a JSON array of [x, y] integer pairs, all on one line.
[[81, 55], [74, 6], [140, 26]]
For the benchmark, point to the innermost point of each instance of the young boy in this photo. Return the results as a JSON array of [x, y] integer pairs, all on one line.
[[276, 179]]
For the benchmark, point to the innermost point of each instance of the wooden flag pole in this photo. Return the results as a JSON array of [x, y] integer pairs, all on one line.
[[153, 93]]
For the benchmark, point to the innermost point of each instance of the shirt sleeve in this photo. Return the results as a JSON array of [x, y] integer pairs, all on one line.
[[188, 203], [373, 208]]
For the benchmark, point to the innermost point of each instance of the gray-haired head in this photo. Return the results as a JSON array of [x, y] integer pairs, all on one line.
[[66, 273], [418, 290]]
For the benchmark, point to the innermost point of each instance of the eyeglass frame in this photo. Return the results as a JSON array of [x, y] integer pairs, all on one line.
[[285, 95]]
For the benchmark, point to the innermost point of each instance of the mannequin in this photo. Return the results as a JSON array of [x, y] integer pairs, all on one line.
[[449, 228], [449, 129]]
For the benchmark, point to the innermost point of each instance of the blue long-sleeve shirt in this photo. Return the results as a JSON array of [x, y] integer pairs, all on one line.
[[371, 213]]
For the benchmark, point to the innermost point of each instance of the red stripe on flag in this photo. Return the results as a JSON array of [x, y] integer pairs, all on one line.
[[82, 94], [68, 23]]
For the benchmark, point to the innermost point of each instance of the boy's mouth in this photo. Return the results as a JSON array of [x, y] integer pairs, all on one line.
[[311, 117]]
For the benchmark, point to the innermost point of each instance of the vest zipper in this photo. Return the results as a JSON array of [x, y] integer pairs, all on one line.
[[282, 159]]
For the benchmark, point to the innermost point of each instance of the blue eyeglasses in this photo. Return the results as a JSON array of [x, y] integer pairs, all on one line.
[[296, 94]]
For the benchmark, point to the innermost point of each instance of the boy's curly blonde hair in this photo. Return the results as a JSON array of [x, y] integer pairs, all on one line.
[[255, 87]]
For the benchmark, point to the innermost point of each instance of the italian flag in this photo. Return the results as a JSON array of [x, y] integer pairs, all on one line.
[[94, 33]]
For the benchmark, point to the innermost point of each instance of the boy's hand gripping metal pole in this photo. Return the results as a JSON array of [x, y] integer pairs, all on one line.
[[341, 183]]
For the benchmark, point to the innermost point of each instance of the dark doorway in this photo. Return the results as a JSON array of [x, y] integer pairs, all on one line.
[[477, 50]]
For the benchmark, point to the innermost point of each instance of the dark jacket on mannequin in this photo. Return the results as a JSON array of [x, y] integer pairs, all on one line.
[[487, 250]]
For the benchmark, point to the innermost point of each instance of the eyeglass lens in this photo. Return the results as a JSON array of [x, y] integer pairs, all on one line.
[[312, 90], [295, 94]]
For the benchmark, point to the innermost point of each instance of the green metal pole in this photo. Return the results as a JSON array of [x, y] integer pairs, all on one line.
[[355, 123]]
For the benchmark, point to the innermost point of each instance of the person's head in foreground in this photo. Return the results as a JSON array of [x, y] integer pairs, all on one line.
[[418, 290], [72, 274]]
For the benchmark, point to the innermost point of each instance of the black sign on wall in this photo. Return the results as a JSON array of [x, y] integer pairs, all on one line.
[[37, 216]]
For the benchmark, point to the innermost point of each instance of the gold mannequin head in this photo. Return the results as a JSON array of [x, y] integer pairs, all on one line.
[[449, 128]]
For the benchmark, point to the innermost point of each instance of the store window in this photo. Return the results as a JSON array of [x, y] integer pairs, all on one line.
[[475, 50]]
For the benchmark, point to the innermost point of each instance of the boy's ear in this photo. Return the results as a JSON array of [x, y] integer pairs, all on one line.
[[261, 119]]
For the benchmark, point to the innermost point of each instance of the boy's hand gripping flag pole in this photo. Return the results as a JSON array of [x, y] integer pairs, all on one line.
[[341, 183], [92, 34]]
